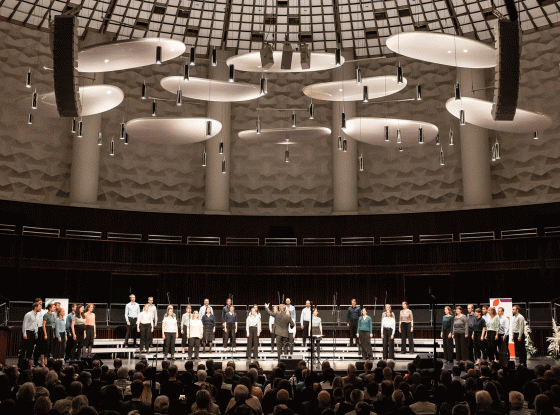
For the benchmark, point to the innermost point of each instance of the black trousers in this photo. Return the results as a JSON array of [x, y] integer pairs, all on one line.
[[39, 344], [520, 350], [29, 344], [447, 347], [484, 349], [352, 330], [305, 334], [253, 343], [194, 344], [461, 346], [184, 338], [407, 334], [69, 346], [169, 343], [365, 344], [272, 340], [60, 346], [229, 333], [503, 350], [291, 343], [47, 346], [492, 345], [388, 344], [477, 345], [282, 345], [471, 348], [131, 331], [316, 344], [79, 343], [146, 336]]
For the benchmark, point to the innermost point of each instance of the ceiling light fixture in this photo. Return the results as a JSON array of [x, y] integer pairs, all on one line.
[[343, 120], [287, 55], [437, 140], [264, 86], [204, 157], [209, 133], [457, 91], [221, 147], [344, 145], [420, 136], [125, 139], [34, 100], [462, 117], [99, 138], [80, 128], [365, 94], [287, 154], [30, 119], [179, 97], [451, 137], [224, 166], [143, 96], [73, 130], [112, 148], [339, 142], [258, 125], [192, 57], [401, 149], [497, 148], [28, 79], [311, 111], [293, 119], [441, 158], [358, 76], [122, 130], [418, 92], [386, 131], [399, 136], [400, 74], [158, 55], [536, 135], [337, 57], [361, 162], [305, 56], [493, 153], [186, 72], [214, 57], [231, 73], [154, 108]]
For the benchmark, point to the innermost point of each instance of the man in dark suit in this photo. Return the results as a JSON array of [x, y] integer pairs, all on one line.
[[282, 321]]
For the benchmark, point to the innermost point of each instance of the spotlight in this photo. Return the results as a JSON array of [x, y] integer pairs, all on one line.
[[231, 73], [204, 158], [366, 95], [267, 56], [264, 86], [186, 72], [28, 79], [399, 75], [293, 120], [387, 133], [122, 130], [536, 135], [287, 54], [112, 148], [179, 98], [441, 158], [73, 130], [209, 132], [418, 92], [80, 128], [437, 140], [361, 160], [34, 100], [344, 145], [337, 57], [450, 137], [493, 153], [30, 119], [399, 136], [457, 91], [224, 166], [154, 108], [192, 57], [339, 142], [462, 117], [158, 55], [343, 120], [497, 147], [401, 149], [311, 111], [305, 56], [220, 147], [214, 57], [143, 96], [258, 125], [287, 154], [125, 139], [358, 76], [420, 136], [99, 138]]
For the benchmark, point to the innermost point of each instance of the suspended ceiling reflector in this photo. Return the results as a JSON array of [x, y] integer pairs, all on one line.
[[285, 135], [127, 54], [211, 90], [479, 112], [443, 49], [168, 130], [372, 131], [251, 62], [378, 86]]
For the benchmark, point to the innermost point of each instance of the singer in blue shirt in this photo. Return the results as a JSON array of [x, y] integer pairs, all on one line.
[[131, 313]]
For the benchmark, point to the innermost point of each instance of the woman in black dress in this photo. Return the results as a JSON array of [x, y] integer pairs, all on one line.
[[209, 328]]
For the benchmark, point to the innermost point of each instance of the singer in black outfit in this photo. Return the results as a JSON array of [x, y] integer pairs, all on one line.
[[353, 315]]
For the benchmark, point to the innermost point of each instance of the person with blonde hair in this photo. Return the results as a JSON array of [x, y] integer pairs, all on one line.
[[493, 326], [388, 334], [195, 333], [170, 332], [78, 331], [145, 326], [60, 335], [90, 328]]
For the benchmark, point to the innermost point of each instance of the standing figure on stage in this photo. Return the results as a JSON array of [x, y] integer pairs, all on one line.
[[185, 324], [91, 332], [447, 334], [271, 328], [518, 332], [49, 321], [484, 345], [145, 326], [316, 332], [471, 320], [364, 334], [69, 338], [253, 332], [169, 331], [152, 309], [230, 330], [292, 331], [195, 333], [406, 327], [131, 312], [388, 333], [492, 327], [460, 334], [78, 331], [291, 309], [225, 310], [304, 321], [205, 307], [39, 346], [208, 329], [60, 335], [29, 328], [256, 307], [503, 338], [282, 321], [352, 318], [479, 334]]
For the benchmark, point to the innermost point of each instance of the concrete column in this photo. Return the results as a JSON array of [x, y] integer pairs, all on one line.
[[475, 150], [345, 165], [217, 183], [84, 172]]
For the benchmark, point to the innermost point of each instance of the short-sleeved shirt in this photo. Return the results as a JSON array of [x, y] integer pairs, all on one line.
[[50, 319]]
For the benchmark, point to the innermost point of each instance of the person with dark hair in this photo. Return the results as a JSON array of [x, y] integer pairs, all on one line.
[[253, 328], [353, 315], [406, 327], [69, 338], [493, 326], [471, 319], [63, 405], [131, 313], [447, 334], [208, 329], [460, 332], [282, 321], [388, 334], [135, 403], [364, 334], [503, 338], [479, 332], [78, 331], [170, 332], [48, 341], [230, 329], [60, 335], [271, 329], [30, 329], [145, 326], [518, 330], [91, 333]]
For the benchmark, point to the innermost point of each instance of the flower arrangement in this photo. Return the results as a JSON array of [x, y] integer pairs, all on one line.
[[529, 346], [554, 342]]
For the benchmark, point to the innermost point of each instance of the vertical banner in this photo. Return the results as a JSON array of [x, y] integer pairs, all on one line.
[[507, 305], [63, 303]]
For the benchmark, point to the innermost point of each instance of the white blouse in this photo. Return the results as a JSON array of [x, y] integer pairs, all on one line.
[[195, 329], [170, 324]]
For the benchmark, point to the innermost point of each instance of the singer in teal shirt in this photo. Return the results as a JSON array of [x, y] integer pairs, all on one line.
[[364, 334]]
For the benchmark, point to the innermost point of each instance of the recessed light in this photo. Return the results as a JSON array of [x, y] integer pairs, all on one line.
[[108, 92], [106, 60], [448, 51], [259, 66], [465, 50], [340, 90]]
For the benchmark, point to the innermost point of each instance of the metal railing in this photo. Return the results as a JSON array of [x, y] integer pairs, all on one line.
[[396, 240], [77, 234], [203, 240], [358, 240], [124, 237], [33, 231], [318, 241], [477, 236], [9, 229], [519, 233], [280, 241], [446, 237], [165, 239], [242, 241]]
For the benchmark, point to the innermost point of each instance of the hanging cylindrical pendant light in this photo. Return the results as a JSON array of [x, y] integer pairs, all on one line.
[[258, 125], [399, 136], [359, 76], [441, 158], [311, 111], [186, 72], [30, 119], [450, 137], [143, 96], [99, 138], [34, 100], [28, 79], [339, 142], [493, 153], [231, 73], [365, 94], [221, 148], [214, 57], [209, 131], [179, 97], [536, 135], [80, 128], [192, 57], [457, 91], [418, 92], [264, 86], [122, 130], [344, 145], [420, 136], [343, 120], [154, 108], [401, 149], [462, 117], [287, 154], [437, 140], [224, 166], [361, 163], [204, 157], [74, 122], [112, 148], [497, 148], [125, 139], [386, 132], [158, 55], [400, 75], [337, 57], [293, 119]]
